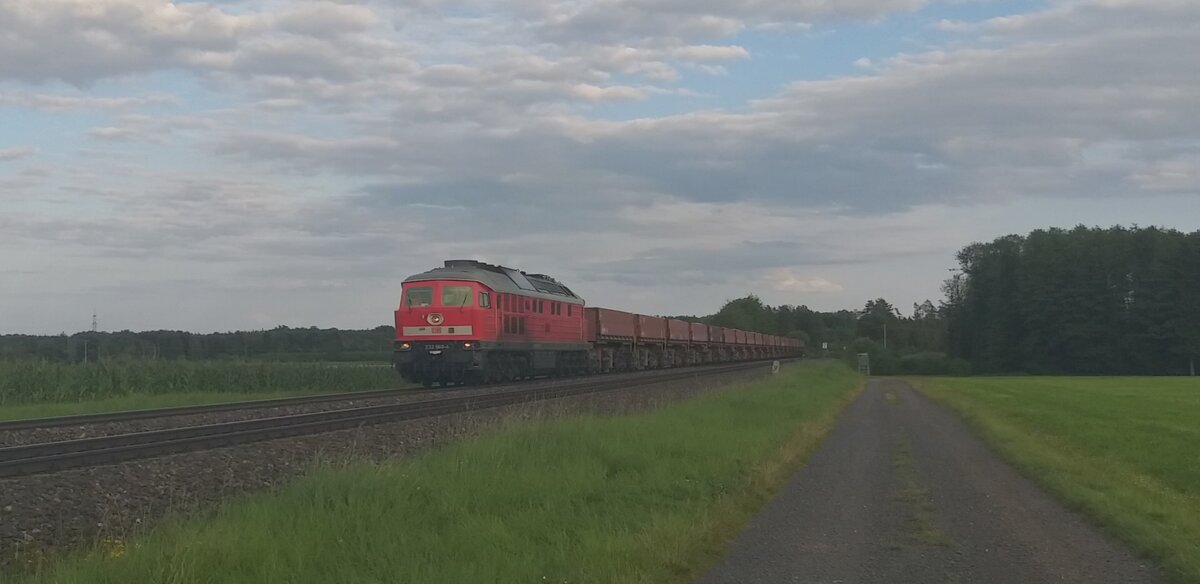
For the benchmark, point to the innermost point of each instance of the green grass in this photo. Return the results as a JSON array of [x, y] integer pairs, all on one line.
[[652, 497], [137, 401], [40, 388], [1124, 450], [920, 523]]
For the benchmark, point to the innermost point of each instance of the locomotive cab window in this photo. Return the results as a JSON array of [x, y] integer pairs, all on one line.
[[456, 295], [418, 296], [485, 300]]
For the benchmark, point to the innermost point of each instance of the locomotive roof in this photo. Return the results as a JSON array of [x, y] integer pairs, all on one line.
[[501, 279]]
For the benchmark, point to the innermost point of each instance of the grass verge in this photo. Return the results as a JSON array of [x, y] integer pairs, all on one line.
[[32, 389], [650, 497], [1125, 451], [921, 521], [136, 401]]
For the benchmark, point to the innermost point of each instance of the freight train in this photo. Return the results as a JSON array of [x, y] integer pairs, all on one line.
[[471, 322]]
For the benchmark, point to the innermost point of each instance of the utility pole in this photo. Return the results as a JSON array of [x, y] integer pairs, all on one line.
[[93, 321], [885, 335]]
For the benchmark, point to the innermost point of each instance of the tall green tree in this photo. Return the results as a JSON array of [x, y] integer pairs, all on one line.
[[1078, 301]]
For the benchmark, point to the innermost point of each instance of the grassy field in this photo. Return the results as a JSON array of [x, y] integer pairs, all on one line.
[[1124, 450], [38, 388], [650, 497]]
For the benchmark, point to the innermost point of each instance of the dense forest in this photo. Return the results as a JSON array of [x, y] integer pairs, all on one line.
[[1080, 301]]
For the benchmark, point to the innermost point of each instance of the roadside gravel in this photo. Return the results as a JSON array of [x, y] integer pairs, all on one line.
[[75, 508]]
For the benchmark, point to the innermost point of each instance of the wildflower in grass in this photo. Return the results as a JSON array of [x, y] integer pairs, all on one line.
[[113, 547]]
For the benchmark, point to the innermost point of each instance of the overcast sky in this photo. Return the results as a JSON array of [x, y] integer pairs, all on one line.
[[249, 163]]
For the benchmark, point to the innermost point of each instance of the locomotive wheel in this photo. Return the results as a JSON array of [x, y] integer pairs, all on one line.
[[505, 367]]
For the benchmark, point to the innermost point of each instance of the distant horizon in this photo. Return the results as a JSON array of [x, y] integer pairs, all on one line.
[[902, 306]]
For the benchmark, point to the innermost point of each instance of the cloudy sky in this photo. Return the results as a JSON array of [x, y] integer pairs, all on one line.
[[248, 163]]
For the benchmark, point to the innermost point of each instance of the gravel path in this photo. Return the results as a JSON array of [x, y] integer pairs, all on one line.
[[901, 491], [76, 507]]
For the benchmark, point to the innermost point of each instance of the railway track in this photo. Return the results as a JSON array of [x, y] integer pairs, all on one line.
[[52, 456], [103, 418]]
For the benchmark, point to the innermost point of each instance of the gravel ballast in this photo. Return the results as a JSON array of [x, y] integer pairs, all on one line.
[[75, 508]]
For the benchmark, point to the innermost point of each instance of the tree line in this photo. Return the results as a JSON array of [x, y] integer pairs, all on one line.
[[1081, 301], [277, 344], [895, 342]]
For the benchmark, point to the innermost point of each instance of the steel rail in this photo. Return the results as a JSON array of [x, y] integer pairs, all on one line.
[[51, 456], [145, 414], [105, 417]]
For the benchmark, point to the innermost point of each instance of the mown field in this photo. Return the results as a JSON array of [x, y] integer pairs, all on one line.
[[40, 388], [1124, 450], [649, 497]]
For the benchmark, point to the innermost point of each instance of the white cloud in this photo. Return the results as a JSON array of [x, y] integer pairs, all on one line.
[[1179, 174], [788, 280], [322, 19], [700, 53], [84, 40], [15, 152], [589, 92], [55, 103], [609, 20]]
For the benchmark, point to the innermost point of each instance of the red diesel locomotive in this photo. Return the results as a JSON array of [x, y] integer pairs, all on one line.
[[471, 322]]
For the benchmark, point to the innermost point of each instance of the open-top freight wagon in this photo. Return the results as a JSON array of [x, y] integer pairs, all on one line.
[[471, 322]]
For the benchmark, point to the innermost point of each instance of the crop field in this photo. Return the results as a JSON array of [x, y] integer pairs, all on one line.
[[40, 388], [649, 497], [1124, 450]]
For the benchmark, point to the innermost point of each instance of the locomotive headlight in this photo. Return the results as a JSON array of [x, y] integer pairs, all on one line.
[[466, 345], [405, 346]]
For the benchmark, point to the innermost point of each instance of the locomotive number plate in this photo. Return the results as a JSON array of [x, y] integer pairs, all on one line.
[[437, 347]]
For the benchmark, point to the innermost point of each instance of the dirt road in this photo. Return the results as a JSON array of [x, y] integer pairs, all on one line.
[[902, 492]]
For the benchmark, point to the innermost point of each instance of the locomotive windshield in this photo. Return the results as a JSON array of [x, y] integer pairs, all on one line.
[[456, 295], [422, 296]]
